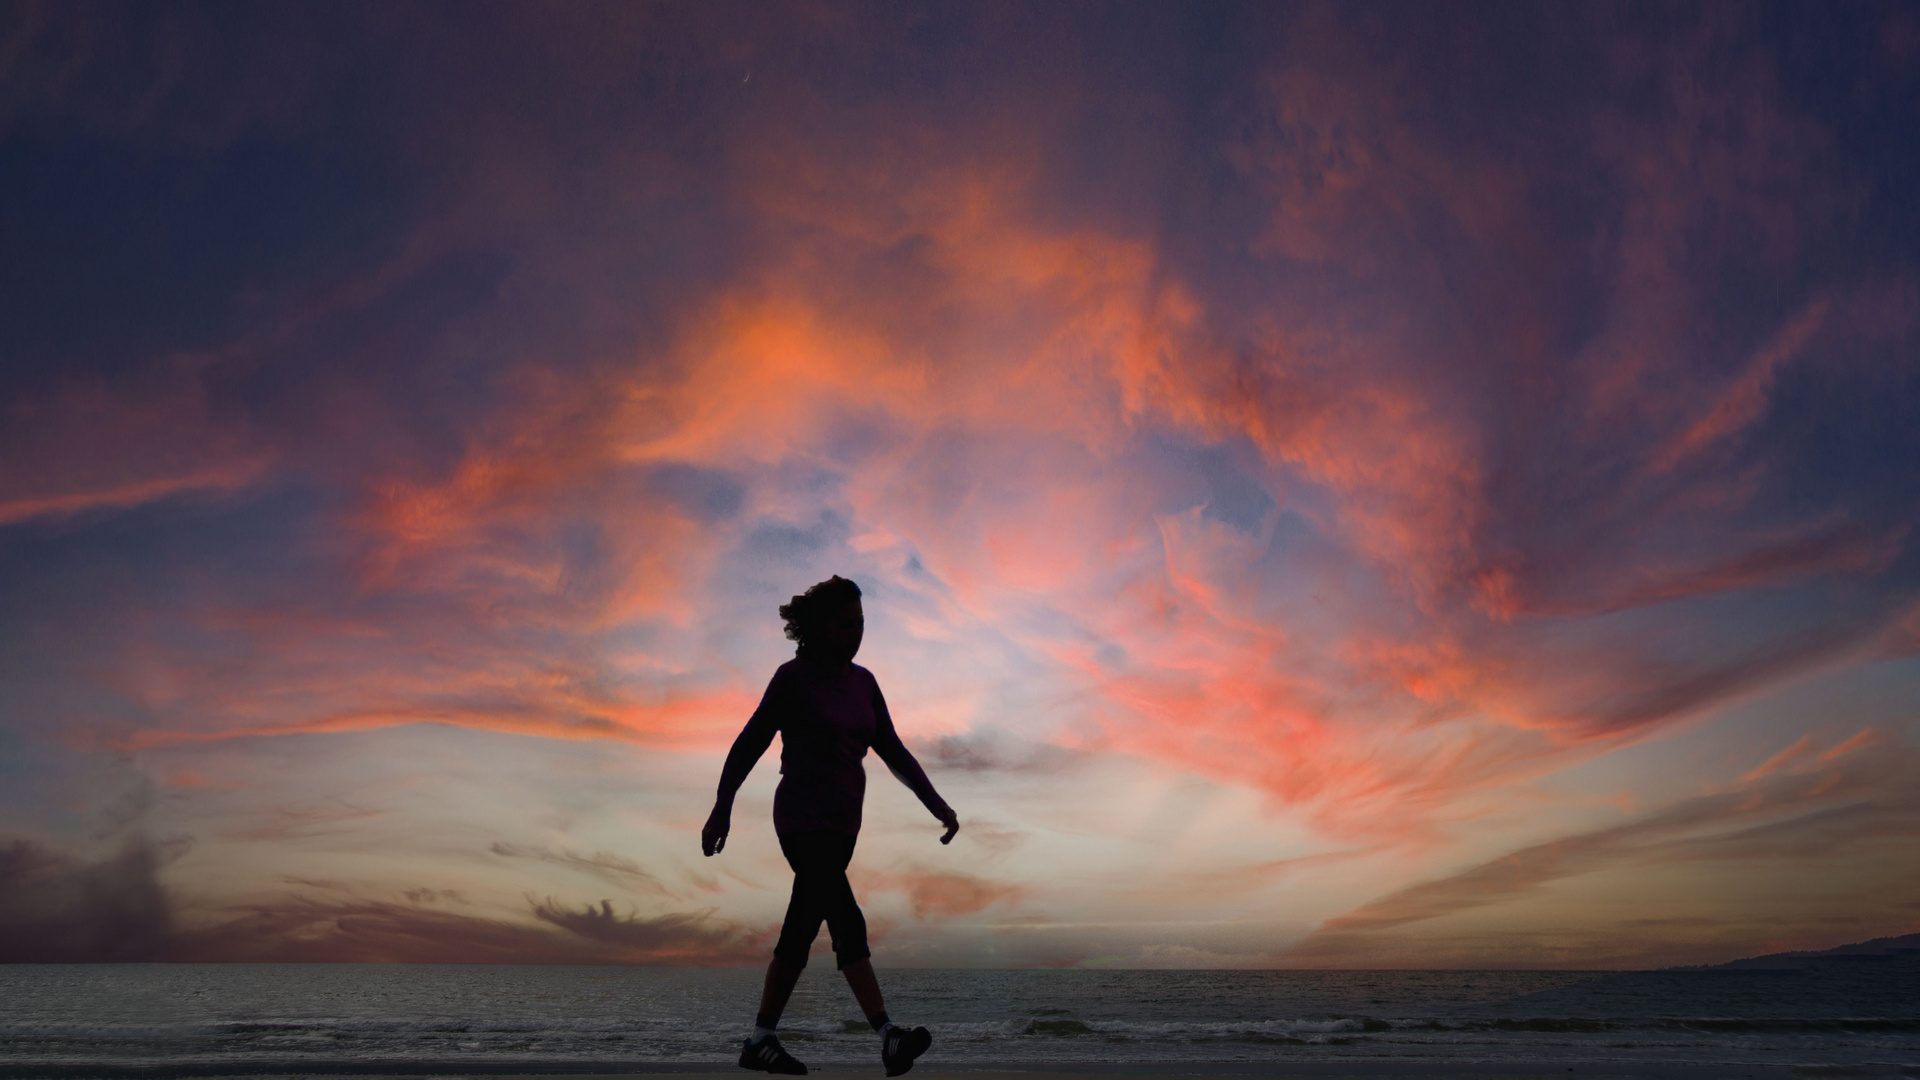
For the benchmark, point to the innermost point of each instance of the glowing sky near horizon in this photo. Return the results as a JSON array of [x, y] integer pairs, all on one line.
[[1350, 486]]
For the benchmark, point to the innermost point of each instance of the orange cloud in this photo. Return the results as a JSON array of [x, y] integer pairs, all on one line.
[[686, 721], [937, 894], [223, 479], [91, 446], [1742, 402]]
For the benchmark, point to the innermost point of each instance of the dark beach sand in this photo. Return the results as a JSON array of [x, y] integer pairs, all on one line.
[[1304, 1070], [1323, 1070], [1359, 1070]]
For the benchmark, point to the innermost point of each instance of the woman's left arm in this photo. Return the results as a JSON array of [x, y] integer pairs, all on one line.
[[889, 748]]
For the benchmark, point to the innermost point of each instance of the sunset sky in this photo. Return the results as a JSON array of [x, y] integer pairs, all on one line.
[[1334, 486]]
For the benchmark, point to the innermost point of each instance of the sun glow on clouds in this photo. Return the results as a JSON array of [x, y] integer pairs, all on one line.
[[1302, 521]]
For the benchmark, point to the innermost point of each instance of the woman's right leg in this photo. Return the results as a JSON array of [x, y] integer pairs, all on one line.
[[774, 993], [805, 912]]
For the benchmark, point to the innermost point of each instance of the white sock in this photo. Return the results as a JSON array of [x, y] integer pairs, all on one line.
[[884, 1028], [760, 1033]]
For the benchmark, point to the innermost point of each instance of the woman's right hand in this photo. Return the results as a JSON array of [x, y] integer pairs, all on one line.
[[713, 836]]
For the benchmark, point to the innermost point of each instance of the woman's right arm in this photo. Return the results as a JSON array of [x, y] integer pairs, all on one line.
[[752, 742]]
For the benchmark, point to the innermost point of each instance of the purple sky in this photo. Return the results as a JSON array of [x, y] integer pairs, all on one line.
[[1338, 485]]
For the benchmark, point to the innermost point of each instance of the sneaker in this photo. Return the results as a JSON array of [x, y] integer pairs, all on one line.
[[901, 1046], [769, 1056]]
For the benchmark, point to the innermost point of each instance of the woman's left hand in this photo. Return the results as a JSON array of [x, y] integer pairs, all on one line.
[[714, 836]]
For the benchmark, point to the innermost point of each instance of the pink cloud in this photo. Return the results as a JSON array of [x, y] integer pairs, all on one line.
[[1523, 496]]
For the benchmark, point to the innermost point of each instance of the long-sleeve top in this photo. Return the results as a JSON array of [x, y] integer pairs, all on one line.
[[827, 719]]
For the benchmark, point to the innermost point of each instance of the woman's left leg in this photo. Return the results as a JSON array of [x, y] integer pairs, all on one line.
[[898, 1046], [866, 989]]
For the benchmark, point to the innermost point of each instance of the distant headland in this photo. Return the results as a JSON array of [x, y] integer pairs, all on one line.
[[1902, 949]]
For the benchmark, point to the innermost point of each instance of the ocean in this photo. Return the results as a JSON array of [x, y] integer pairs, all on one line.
[[263, 1019]]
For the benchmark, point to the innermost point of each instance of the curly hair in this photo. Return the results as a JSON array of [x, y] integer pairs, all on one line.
[[804, 612]]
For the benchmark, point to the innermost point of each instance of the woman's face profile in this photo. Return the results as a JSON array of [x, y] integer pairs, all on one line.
[[842, 629]]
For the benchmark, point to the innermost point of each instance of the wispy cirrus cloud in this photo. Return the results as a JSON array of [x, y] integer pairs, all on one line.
[[1802, 804], [93, 446]]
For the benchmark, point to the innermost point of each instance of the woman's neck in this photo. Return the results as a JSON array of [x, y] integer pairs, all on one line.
[[825, 660]]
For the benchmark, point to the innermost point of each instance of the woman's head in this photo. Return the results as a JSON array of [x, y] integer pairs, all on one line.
[[827, 620]]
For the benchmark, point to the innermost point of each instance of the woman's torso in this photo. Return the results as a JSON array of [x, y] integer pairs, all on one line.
[[827, 723]]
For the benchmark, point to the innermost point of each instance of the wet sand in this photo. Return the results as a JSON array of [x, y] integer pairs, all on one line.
[[1357, 1070]]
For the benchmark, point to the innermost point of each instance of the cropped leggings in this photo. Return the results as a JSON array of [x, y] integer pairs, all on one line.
[[821, 891]]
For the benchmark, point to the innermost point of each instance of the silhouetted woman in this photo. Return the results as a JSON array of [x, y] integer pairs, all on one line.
[[828, 711]]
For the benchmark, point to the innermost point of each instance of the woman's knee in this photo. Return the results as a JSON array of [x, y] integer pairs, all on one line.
[[796, 941], [849, 929], [791, 955]]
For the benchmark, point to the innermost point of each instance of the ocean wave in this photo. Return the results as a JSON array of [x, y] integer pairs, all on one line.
[[1042, 1027]]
